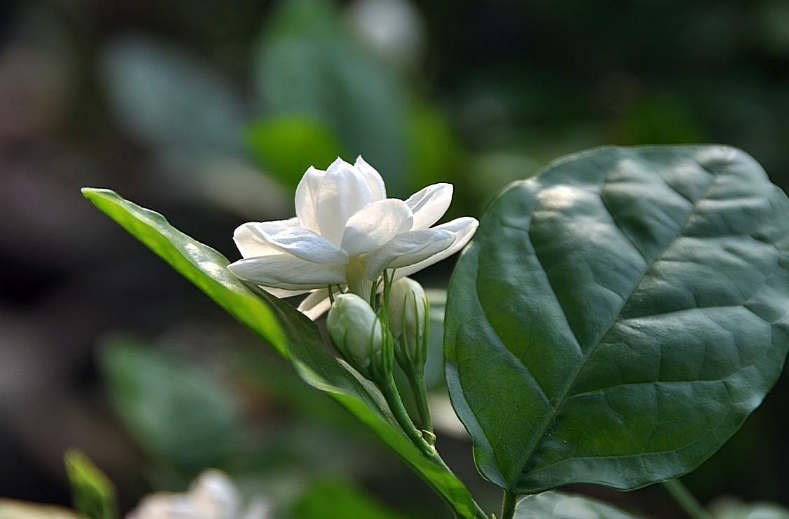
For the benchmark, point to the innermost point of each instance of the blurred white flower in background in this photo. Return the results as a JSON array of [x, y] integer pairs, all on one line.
[[212, 496], [346, 233], [394, 29]]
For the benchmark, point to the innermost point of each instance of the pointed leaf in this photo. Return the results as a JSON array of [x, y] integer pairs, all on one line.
[[290, 332], [92, 492]]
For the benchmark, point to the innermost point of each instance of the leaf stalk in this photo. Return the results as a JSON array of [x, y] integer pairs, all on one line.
[[508, 504]]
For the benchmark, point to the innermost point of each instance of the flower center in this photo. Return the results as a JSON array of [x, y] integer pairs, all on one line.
[[356, 278]]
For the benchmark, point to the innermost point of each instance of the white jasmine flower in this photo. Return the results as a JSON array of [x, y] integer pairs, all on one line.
[[346, 233], [212, 496]]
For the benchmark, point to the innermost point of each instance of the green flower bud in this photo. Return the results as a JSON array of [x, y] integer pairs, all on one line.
[[409, 321], [356, 332]]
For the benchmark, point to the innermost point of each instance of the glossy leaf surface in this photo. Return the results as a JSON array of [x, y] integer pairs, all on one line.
[[286, 329], [618, 316]]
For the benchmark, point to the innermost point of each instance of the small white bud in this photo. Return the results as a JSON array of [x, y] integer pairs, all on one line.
[[408, 318], [355, 331]]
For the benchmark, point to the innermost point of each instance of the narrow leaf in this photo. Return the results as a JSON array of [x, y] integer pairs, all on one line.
[[291, 333]]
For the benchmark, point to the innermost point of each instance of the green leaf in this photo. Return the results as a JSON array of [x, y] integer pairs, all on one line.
[[290, 332], [92, 492], [287, 146], [331, 499], [308, 64], [730, 509], [11, 509], [174, 410], [556, 505], [619, 316], [164, 96]]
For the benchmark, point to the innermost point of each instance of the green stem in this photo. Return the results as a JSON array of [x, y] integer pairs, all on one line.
[[686, 500], [416, 380], [508, 505], [392, 397]]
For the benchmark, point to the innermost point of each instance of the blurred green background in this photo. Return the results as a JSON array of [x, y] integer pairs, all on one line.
[[210, 112]]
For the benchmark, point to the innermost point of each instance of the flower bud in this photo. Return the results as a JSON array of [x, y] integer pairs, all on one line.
[[356, 332], [409, 321]]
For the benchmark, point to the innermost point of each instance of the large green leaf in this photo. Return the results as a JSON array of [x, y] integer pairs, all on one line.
[[619, 316], [556, 505], [289, 331]]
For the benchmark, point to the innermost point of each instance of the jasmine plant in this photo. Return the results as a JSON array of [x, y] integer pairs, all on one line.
[[614, 321]]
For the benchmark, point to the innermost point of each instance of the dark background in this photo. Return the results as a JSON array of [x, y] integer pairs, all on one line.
[[210, 111]]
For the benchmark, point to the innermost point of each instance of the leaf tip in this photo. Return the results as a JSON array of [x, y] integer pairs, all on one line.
[[92, 192]]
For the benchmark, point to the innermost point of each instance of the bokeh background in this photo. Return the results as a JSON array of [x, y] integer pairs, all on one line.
[[209, 111]]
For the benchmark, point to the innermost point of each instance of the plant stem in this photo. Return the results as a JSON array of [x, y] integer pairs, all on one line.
[[418, 386], [686, 500], [392, 397], [508, 505]]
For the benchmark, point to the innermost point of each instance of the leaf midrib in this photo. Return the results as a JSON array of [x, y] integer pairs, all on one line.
[[560, 401]]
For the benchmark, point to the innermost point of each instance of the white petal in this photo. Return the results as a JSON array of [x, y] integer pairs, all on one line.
[[316, 304], [372, 177], [282, 293], [463, 228], [337, 165], [306, 245], [374, 225], [250, 243], [430, 204], [343, 192], [407, 249], [288, 272], [162, 505], [307, 198], [215, 496]]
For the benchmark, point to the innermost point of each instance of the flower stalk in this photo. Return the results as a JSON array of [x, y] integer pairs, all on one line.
[[416, 381]]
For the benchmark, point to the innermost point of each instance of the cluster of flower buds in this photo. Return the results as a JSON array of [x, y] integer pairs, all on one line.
[[369, 342]]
